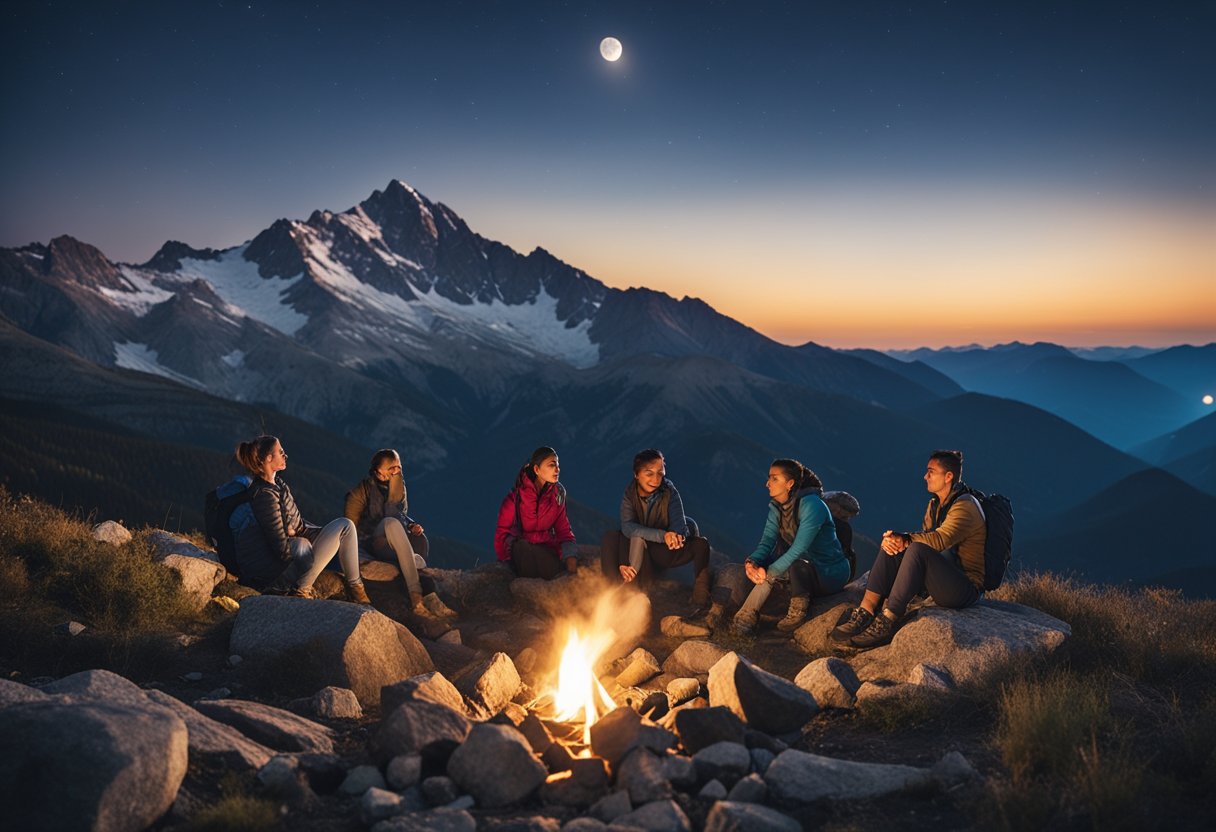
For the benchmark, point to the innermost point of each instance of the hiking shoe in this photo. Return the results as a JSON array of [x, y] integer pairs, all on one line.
[[859, 618], [302, 592], [435, 604], [880, 632], [796, 614], [356, 594], [743, 623]]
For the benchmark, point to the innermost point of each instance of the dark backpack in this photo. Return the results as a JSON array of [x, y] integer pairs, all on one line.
[[998, 544], [219, 505]]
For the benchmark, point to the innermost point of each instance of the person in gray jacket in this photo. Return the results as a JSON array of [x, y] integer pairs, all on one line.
[[655, 534]]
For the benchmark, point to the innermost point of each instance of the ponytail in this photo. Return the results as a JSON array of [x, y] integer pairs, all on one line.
[[802, 476], [253, 453], [538, 456]]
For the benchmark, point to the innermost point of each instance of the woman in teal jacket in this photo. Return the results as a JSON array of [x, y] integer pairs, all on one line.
[[799, 543]]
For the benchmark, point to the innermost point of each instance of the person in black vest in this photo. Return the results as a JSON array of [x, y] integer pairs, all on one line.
[[655, 534]]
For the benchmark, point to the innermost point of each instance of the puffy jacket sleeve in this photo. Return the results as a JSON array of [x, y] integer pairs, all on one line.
[[630, 527], [812, 514], [563, 535], [768, 540], [268, 512], [506, 531], [356, 504], [963, 519], [676, 521]]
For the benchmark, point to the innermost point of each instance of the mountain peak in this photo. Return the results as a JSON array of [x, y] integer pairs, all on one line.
[[169, 257], [69, 259]]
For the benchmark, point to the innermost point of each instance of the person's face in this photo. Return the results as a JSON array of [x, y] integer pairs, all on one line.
[[937, 478], [779, 485], [547, 471], [276, 460], [388, 468], [650, 477]]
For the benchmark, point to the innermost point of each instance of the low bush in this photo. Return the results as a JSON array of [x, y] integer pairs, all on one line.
[[1044, 724]]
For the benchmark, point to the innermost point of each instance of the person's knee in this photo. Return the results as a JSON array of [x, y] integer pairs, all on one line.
[[345, 526], [917, 551], [299, 548]]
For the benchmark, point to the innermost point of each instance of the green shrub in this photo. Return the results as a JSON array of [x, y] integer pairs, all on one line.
[[1044, 723], [1109, 782]]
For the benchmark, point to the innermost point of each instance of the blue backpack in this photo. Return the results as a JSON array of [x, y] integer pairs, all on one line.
[[226, 511]]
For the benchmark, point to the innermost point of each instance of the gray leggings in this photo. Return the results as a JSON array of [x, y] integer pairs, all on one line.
[[309, 557], [390, 541]]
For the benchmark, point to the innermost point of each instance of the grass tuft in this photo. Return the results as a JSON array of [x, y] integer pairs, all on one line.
[[1044, 723], [236, 813]]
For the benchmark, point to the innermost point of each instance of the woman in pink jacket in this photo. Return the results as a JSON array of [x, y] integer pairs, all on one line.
[[534, 534]]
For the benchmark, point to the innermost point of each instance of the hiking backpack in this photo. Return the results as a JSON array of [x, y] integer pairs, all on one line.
[[224, 512], [998, 544]]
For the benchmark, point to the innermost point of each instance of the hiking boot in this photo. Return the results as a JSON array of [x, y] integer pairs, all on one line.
[[356, 594], [744, 623], [700, 589], [880, 632], [302, 592], [796, 614], [859, 618], [435, 604]]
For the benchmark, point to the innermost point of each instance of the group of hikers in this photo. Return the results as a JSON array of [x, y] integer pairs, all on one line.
[[806, 543]]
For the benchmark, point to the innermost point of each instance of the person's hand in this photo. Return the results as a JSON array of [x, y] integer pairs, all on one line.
[[628, 573], [755, 574], [572, 566], [894, 542], [673, 540], [414, 528]]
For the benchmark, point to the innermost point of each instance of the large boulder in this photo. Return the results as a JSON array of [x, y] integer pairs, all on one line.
[[89, 764], [702, 727], [496, 766], [765, 701], [273, 727], [14, 693], [212, 742], [102, 685], [346, 645], [966, 644], [693, 658], [797, 778], [166, 543]]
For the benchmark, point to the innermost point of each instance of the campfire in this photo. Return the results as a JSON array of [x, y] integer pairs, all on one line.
[[579, 694]]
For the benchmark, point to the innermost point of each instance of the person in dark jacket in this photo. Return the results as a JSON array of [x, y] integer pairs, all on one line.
[[379, 506], [655, 534], [799, 543], [279, 549], [533, 533]]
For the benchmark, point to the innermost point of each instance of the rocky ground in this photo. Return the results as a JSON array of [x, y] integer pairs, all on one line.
[[346, 718]]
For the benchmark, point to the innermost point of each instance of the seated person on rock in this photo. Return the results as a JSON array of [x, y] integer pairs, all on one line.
[[534, 534], [278, 550], [799, 543], [655, 535], [378, 506], [945, 560]]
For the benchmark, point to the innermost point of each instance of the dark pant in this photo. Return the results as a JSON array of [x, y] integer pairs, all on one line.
[[614, 553], [920, 568], [531, 560], [804, 580]]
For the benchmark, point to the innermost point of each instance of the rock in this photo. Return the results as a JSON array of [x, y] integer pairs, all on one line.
[[952, 769], [966, 644], [489, 685], [439, 791], [111, 532], [584, 824], [273, 727], [13, 693], [346, 645], [680, 771], [608, 809], [234, 660], [675, 626], [870, 692], [99, 685], [325, 772], [759, 739], [702, 727], [622, 729], [812, 637], [403, 771], [378, 804], [463, 802], [192, 676], [723, 761], [763, 700], [831, 681], [732, 578], [214, 742], [713, 790], [89, 764], [336, 703], [797, 778], [217, 693], [525, 662], [537, 823], [69, 628], [450, 637], [642, 666], [654, 706], [412, 726], [536, 733], [283, 779], [560, 598], [511, 714], [436, 820], [731, 816], [641, 774], [496, 766], [557, 758], [762, 758], [681, 690], [166, 543], [582, 785], [660, 816], [931, 678], [426, 687], [221, 605], [378, 570], [199, 577], [492, 641], [361, 778], [693, 658], [750, 789]]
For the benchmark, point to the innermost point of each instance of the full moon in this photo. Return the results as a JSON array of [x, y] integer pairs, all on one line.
[[610, 48], [1207, 399]]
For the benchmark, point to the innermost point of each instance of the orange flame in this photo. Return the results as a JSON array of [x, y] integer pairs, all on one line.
[[579, 694]]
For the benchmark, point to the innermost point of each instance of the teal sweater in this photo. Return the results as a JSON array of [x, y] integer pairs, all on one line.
[[816, 542]]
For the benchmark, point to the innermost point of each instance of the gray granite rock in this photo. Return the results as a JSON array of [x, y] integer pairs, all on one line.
[[693, 658], [725, 762], [731, 816], [412, 726], [797, 778], [496, 766], [765, 701], [831, 681], [273, 727]]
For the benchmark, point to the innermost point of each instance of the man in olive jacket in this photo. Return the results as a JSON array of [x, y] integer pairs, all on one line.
[[945, 560]]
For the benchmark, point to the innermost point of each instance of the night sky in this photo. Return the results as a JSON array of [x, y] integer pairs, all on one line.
[[825, 171]]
